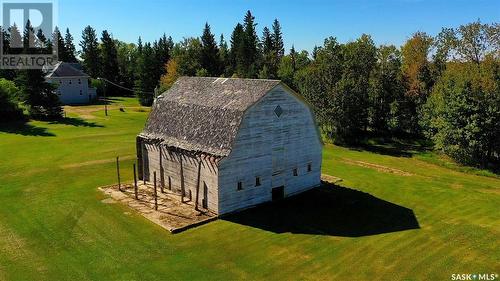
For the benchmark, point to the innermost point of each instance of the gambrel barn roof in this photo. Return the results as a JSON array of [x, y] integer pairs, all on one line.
[[203, 113]]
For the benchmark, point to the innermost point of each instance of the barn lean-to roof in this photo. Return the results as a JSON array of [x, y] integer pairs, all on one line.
[[203, 113]]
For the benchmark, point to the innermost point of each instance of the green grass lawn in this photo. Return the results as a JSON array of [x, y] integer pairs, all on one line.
[[53, 225]]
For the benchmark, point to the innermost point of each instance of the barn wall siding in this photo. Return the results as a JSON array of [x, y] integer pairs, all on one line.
[[171, 163], [267, 145]]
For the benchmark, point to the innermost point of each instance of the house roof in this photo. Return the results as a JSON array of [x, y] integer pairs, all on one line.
[[64, 69], [204, 113]]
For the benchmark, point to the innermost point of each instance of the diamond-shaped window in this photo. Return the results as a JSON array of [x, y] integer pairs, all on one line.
[[278, 111]]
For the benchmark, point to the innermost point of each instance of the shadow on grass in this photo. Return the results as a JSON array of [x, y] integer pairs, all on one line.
[[107, 100], [25, 129], [77, 122], [329, 210], [393, 147], [100, 101]]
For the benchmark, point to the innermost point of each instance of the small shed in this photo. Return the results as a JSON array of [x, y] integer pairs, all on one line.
[[230, 143]]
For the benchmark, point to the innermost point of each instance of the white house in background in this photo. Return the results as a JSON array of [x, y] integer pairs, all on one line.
[[72, 83]]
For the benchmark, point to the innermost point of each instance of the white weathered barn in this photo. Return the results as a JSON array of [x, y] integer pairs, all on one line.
[[72, 83], [228, 144]]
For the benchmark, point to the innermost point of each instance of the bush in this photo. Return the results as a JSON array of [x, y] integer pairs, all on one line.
[[9, 109], [462, 116], [98, 85]]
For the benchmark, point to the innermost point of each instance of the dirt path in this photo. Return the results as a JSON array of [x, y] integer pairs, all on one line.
[[86, 112], [379, 168]]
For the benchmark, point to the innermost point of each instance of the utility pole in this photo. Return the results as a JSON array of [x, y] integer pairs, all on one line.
[[104, 92]]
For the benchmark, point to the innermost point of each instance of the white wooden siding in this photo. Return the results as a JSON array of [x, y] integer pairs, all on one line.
[[73, 90], [267, 145]]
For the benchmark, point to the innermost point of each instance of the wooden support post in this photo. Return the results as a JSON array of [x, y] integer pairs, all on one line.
[[155, 193], [118, 172], [162, 176], [183, 190], [197, 186], [138, 148], [135, 185], [144, 164], [105, 101]]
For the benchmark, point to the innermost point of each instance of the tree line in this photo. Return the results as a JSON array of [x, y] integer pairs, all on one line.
[[444, 88]]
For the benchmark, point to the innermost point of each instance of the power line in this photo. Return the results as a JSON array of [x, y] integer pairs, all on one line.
[[122, 87]]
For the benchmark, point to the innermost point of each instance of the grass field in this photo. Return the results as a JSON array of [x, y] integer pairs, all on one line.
[[53, 225]]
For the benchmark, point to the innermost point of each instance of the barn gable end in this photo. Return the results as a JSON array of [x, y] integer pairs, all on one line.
[[277, 135]]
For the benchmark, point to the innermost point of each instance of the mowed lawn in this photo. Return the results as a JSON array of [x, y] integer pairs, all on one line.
[[53, 225]]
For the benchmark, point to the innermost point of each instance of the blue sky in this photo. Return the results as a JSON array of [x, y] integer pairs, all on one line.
[[304, 23]]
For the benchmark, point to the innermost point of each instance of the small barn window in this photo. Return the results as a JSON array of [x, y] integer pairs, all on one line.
[[295, 172], [309, 167], [79, 81], [240, 185], [81, 92], [278, 111], [70, 81], [257, 181]]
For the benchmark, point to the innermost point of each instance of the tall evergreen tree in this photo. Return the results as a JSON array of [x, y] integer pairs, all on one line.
[[70, 47], [90, 52], [267, 70], [9, 74], [37, 94], [267, 41], [42, 41], [109, 65], [237, 50], [58, 40], [163, 52], [293, 57], [210, 59], [146, 83], [224, 56], [16, 38], [109, 57], [278, 45], [139, 46], [250, 47]]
